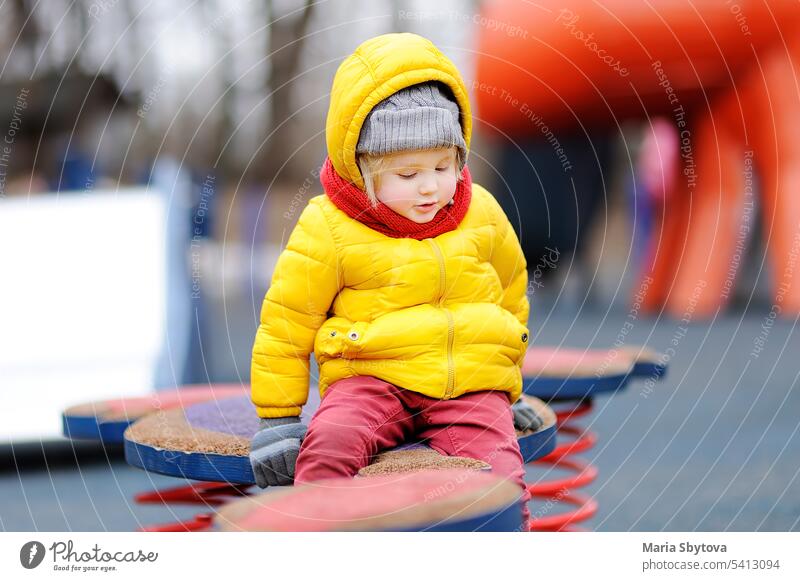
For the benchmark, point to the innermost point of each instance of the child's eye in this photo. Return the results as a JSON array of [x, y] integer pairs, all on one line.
[[407, 176], [443, 168]]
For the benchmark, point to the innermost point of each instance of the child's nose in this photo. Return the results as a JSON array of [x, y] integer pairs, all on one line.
[[428, 185]]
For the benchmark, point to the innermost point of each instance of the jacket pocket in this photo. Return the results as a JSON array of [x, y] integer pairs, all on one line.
[[524, 340], [518, 336], [340, 337]]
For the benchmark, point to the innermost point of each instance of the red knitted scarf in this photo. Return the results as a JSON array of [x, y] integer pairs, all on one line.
[[355, 203]]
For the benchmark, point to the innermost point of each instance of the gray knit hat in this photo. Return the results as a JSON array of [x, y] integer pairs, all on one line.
[[417, 117]]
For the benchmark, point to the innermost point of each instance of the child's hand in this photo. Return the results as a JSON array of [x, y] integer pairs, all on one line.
[[274, 450], [525, 417]]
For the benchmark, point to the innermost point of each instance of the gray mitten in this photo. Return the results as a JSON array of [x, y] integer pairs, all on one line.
[[274, 450], [525, 417]]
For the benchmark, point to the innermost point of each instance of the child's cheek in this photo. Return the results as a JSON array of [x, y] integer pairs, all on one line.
[[385, 192], [451, 185], [396, 197]]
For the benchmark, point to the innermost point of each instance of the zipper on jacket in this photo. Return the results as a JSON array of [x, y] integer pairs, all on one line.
[[451, 330], [451, 368]]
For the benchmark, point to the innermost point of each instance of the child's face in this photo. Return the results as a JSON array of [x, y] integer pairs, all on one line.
[[417, 184]]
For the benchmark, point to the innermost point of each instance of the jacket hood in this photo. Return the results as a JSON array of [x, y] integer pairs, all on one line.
[[377, 69]]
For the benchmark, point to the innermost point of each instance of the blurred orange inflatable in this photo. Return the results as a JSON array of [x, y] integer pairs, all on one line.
[[721, 70], [583, 62]]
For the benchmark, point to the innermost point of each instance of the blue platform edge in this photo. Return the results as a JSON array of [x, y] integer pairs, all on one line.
[[653, 369], [556, 388], [80, 427], [237, 470], [90, 428], [505, 519]]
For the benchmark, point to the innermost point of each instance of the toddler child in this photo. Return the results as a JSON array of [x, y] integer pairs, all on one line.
[[405, 279]]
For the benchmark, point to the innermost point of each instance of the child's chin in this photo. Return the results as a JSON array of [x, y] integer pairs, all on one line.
[[422, 218]]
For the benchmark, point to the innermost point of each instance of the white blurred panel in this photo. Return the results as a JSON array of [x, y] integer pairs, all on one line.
[[82, 290]]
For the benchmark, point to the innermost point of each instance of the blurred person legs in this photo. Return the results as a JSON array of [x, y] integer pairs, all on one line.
[[552, 200]]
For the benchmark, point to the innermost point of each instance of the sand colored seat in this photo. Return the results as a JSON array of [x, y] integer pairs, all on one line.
[[211, 441]]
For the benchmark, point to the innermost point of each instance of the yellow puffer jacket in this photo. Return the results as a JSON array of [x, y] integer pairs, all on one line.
[[442, 316]]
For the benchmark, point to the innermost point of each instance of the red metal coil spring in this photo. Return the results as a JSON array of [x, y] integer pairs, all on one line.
[[561, 490], [205, 493]]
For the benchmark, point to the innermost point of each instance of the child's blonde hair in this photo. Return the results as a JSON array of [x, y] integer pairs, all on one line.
[[372, 167]]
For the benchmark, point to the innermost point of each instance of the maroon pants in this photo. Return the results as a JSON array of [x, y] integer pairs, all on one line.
[[361, 416]]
